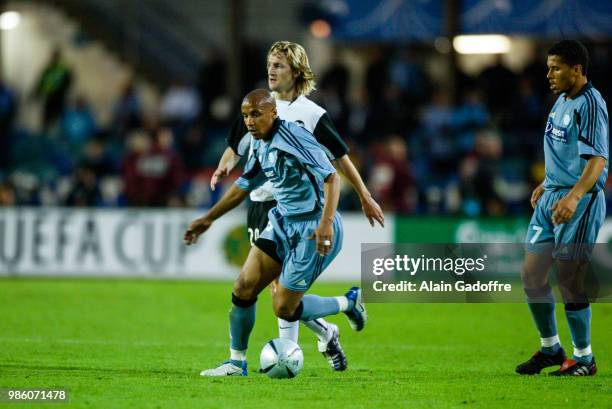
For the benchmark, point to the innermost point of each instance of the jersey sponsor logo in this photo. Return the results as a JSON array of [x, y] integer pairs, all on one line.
[[556, 133]]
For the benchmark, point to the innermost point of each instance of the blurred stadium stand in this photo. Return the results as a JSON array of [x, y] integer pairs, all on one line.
[[154, 86]]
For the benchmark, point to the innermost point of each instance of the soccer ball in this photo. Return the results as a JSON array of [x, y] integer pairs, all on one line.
[[281, 358]]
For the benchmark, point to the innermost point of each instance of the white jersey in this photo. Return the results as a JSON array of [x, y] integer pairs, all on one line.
[[305, 113]]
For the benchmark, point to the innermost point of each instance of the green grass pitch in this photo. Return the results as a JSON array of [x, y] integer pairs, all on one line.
[[141, 344]]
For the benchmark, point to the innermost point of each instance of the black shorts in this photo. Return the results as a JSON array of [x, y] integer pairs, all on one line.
[[257, 218]]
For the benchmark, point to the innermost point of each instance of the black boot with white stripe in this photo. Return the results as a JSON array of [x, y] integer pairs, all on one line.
[[332, 350], [573, 368]]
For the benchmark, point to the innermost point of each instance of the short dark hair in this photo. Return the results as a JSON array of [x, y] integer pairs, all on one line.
[[572, 52]]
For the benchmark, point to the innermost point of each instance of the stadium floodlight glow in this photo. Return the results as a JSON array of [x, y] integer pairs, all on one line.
[[9, 20], [320, 29], [481, 44]]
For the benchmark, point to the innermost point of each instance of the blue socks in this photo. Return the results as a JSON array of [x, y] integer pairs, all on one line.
[[242, 321], [315, 307], [541, 303], [579, 320]]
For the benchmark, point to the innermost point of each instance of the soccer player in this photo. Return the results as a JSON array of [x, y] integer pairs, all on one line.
[[303, 235], [569, 210], [291, 80]]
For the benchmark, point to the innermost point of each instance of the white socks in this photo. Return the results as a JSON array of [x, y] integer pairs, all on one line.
[[343, 302], [236, 355], [550, 341], [290, 330], [580, 352]]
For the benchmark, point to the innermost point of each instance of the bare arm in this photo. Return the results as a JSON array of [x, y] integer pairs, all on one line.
[[228, 161], [232, 198], [370, 208], [325, 229], [564, 208]]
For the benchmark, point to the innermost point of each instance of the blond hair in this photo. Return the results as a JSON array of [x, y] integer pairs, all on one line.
[[298, 61]]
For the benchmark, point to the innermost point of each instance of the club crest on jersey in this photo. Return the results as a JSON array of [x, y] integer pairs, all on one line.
[[272, 157], [556, 133], [300, 123], [566, 119]]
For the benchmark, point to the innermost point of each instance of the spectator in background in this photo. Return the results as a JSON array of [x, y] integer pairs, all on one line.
[[152, 171], [478, 174], [7, 194], [7, 117], [52, 88], [469, 117], [337, 77], [127, 111], [212, 82], [407, 74], [78, 123], [334, 93], [138, 146], [599, 69], [378, 95], [437, 139], [528, 106], [97, 157], [180, 104], [528, 111], [499, 85], [85, 191], [180, 108], [534, 71], [391, 178], [192, 149], [407, 80], [376, 77]]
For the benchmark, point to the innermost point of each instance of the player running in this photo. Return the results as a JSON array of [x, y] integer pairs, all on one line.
[[303, 236], [291, 80], [569, 210]]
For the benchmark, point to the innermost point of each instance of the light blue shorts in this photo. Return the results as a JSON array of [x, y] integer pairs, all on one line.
[[569, 240], [301, 262]]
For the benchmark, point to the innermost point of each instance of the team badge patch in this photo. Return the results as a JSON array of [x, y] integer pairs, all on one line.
[[566, 119]]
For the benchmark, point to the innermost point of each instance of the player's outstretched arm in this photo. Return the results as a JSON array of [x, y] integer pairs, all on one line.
[[370, 208], [232, 198], [228, 161], [564, 208], [325, 230]]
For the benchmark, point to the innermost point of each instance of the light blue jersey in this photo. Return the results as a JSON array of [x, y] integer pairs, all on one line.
[[577, 129], [297, 167], [295, 164]]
